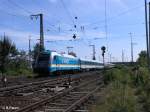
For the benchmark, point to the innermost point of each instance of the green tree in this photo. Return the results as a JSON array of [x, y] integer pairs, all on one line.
[[142, 60], [19, 64], [6, 48], [36, 50]]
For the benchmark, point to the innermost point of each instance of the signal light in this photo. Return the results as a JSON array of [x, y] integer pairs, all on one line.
[[103, 48], [74, 36]]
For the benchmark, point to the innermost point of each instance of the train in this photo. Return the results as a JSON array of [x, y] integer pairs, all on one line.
[[51, 62]]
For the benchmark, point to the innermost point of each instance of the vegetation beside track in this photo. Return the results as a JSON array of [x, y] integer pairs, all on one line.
[[13, 62], [127, 90]]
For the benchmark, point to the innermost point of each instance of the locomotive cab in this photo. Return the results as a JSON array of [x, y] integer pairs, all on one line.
[[41, 64]]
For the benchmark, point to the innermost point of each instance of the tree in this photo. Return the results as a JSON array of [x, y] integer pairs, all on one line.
[[6, 48], [142, 60], [36, 50], [19, 63]]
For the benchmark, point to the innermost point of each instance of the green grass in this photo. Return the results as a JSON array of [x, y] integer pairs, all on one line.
[[18, 72], [120, 92]]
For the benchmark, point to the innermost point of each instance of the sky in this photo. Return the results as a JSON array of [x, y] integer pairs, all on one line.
[[118, 19]]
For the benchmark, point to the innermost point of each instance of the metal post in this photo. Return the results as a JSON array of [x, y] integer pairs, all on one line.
[[131, 47], [41, 30], [110, 57], [149, 40], [122, 56], [29, 50], [104, 61], [146, 29], [94, 58]]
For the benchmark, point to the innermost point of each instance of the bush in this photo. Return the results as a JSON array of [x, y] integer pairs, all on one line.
[[118, 98], [120, 95], [17, 72]]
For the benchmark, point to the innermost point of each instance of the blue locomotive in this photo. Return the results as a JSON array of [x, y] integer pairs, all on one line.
[[52, 62]]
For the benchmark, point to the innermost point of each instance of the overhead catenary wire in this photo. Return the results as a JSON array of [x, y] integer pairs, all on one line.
[[8, 13], [46, 20], [118, 25], [71, 17], [116, 16], [25, 10], [67, 11], [42, 9], [5, 25], [106, 27], [39, 5], [52, 26], [20, 7], [66, 31]]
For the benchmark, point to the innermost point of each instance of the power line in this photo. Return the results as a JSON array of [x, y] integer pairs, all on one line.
[[70, 16], [29, 12], [106, 18], [20, 7], [35, 2], [8, 13], [67, 11], [118, 25], [25, 10], [116, 16], [41, 6]]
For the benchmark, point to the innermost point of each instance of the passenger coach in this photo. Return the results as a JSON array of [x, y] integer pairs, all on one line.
[[90, 65]]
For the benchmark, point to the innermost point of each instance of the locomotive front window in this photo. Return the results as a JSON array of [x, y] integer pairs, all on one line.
[[55, 57], [43, 57]]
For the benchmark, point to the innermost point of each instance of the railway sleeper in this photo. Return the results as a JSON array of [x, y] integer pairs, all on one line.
[[59, 104], [81, 111], [36, 105]]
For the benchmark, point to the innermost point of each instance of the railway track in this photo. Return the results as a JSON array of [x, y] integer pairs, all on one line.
[[34, 86], [13, 90], [44, 96], [66, 101]]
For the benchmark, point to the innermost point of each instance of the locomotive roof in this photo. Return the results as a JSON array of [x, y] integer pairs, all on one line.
[[64, 55]]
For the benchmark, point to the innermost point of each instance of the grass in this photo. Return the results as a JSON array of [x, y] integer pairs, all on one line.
[[19, 72], [120, 92]]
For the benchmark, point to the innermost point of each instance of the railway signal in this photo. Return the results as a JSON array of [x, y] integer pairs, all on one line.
[[103, 48], [74, 36]]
